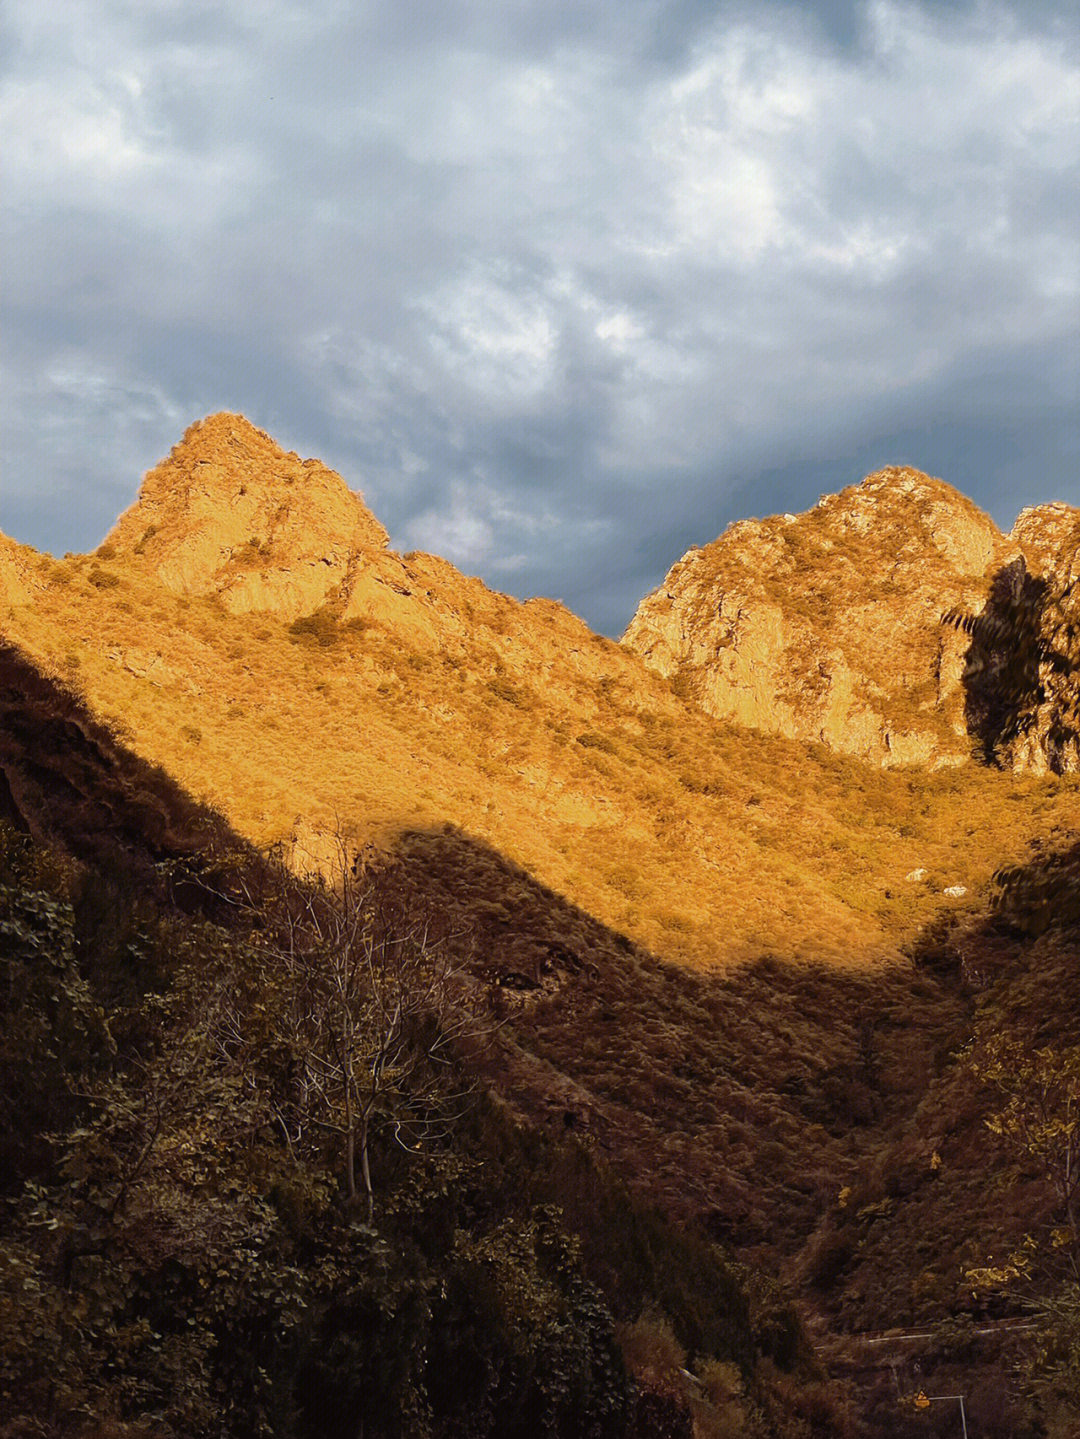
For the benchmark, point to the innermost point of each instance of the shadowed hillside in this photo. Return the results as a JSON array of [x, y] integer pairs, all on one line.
[[65, 778], [795, 1112], [722, 996], [176, 1254]]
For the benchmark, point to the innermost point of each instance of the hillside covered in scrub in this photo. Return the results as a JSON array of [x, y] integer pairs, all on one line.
[[176, 1257], [714, 1051], [246, 615]]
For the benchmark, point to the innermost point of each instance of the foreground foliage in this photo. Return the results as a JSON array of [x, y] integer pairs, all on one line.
[[185, 1252]]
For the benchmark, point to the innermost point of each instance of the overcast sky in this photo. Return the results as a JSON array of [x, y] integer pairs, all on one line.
[[563, 286]]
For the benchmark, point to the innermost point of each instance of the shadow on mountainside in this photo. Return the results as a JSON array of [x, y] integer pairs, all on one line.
[[815, 1120], [1020, 672], [736, 1099], [211, 1266], [935, 1212], [741, 1099], [66, 780], [946, 1194], [825, 1125]]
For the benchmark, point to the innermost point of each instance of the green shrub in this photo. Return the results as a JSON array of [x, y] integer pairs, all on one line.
[[320, 630]]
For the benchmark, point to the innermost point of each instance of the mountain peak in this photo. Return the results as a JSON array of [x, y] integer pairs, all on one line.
[[1049, 535], [828, 625], [215, 435], [229, 512], [899, 507]]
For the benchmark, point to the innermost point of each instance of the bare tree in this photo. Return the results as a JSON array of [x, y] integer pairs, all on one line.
[[366, 1010]]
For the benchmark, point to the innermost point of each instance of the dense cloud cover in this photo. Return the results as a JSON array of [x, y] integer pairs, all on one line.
[[563, 286]]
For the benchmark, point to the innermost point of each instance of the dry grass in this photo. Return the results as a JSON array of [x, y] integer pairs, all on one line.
[[706, 844], [718, 1001]]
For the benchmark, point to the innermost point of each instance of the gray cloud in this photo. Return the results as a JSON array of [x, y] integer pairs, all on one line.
[[563, 287]]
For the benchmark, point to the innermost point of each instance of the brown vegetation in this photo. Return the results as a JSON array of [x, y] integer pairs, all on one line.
[[723, 963]]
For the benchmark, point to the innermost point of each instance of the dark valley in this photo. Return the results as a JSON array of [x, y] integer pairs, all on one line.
[[424, 1016]]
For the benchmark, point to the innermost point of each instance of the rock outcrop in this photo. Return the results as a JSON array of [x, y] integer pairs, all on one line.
[[828, 625], [1041, 646], [18, 577], [230, 513]]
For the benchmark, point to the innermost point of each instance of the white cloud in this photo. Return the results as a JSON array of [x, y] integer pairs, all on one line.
[[83, 135], [495, 339], [454, 530], [478, 524], [619, 329]]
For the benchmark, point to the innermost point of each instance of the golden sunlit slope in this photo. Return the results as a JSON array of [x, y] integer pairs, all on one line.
[[828, 624], [246, 628]]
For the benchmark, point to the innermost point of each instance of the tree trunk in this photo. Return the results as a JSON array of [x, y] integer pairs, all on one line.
[[365, 1170], [350, 1149]]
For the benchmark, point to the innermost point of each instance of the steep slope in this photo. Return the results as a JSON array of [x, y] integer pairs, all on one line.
[[1044, 726], [177, 1259], [16, 574], [828, 625], [405, 696], [229, 514], [66, 779]]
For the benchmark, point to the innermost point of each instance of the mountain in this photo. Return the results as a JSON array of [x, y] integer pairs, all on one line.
[[828, 625], [229, 514], [752, 977], [252, 634], [246, 627]]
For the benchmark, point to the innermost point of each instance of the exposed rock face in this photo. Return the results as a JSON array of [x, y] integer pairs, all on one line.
[[1049, 536], [827, 625], [18, 579], [1047, 717], [229, 513]]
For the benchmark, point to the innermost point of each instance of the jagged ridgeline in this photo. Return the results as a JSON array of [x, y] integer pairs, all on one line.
[[701, 923], [246, 626]]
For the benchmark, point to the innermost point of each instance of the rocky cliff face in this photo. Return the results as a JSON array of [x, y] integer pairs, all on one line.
[[828, 625], [1028, 663], [18, 577], [231, 514]]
